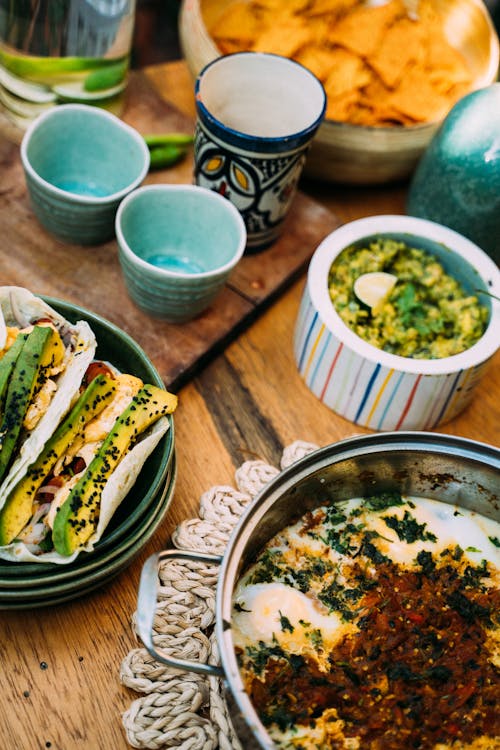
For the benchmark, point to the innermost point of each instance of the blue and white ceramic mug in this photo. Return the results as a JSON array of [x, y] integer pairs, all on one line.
[[257, 115]]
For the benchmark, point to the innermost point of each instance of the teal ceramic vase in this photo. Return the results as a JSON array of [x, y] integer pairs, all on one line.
[[457, 181]]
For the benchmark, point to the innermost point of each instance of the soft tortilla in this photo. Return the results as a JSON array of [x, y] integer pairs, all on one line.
[[116, 488], [19, 308]]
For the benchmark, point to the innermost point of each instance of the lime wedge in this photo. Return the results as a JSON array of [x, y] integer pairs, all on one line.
[[76, 92], [36, 67], [373, 288], [21, 108], [31, 92], [106, 77]]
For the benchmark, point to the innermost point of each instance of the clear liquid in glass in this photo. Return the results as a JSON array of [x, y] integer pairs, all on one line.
[[59, 51]]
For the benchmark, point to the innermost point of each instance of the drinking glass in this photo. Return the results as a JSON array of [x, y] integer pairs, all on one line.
[[60, 51]]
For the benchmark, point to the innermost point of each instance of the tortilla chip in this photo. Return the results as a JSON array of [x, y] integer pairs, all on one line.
[[290, 6], [445, 63], [330, 8], [380, 65], [348, 73], [320, 28], [417, 98], [316, 59], [362, 114], [241, 21], [362, 30], [339, 108], [285, 39], [228, 46], [373, 102], [401, 46]]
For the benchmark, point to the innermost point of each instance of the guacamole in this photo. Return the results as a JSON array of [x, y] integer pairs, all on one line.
[[426, 315]]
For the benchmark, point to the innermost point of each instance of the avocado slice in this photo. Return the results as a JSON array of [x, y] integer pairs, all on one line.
[[17, 509], [28, 375], [77, 518], [7, 364]]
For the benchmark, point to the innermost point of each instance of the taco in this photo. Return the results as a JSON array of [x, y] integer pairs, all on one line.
[[43, 358], [63, 503]]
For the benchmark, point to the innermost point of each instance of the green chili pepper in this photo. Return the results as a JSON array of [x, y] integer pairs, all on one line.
[[166, 156], [163, 139], [166, 149]]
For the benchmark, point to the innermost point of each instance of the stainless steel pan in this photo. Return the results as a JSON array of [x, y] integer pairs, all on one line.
[[450, 469]]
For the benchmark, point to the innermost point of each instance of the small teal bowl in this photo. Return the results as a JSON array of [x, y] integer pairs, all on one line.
[[177, 245], [79, 163]]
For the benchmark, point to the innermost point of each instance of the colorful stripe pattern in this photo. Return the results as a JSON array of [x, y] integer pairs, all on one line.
[[370, 394]]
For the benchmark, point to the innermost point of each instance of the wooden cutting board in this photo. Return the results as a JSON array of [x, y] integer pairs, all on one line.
[[91, 276]]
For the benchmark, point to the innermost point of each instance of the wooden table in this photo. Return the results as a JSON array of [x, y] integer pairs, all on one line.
[[59, 666]]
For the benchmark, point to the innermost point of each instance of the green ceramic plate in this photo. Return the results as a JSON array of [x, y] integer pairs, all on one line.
[[117, 347], [93, 577], [88, 563]]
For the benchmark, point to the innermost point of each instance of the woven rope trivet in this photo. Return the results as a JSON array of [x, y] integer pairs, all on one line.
[[183, 709]]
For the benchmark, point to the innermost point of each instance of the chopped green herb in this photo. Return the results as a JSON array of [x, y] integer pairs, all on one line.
[[285, 623], [281, 716], [296, 662], [334, 516], [46, 545], [259, 655], [473, 575], [269, 567], [316, 638], [469, 610], [408, 529], [384, 500], [371, 551], [425, 560], [339, 599]]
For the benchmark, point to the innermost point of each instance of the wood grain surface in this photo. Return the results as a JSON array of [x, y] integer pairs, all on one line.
[[60, 666], [92, 278]]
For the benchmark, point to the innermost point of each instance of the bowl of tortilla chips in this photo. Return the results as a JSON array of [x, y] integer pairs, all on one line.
[[391, 69]]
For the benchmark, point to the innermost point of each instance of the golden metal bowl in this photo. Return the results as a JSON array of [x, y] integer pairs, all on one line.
[[358, 154]]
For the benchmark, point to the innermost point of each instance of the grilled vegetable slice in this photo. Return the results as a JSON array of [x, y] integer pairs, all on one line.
[[7, 364], [18, 507], [78, 516], [42, 350]]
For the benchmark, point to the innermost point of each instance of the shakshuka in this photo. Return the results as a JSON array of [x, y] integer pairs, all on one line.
[[373, 624]]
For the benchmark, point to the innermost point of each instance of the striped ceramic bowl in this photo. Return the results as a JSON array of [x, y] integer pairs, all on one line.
[[371, 387]]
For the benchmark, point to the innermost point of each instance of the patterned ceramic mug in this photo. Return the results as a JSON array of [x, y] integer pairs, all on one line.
[[257, 114]]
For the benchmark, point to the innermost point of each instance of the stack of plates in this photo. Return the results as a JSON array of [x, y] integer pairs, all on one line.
[[29, 585]]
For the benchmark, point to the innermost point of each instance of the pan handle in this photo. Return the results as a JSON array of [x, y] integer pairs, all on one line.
[[146, 603]]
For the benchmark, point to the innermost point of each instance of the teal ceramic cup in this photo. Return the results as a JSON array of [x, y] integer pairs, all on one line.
[[177, 245], [79, 162]]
